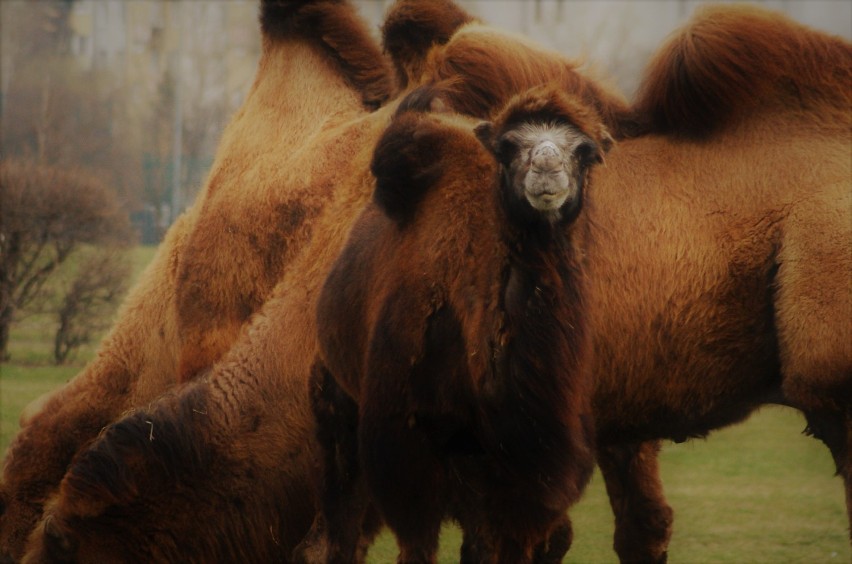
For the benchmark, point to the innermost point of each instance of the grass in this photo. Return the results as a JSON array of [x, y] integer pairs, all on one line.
[[759, 492], [753, 493]]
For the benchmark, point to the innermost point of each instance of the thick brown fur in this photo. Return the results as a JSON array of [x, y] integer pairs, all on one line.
[[177, 458], [220, 261], [249, 468], [335, 25], [730, 63], [413, 27], [478, 69], [481, 68], [750, 254], [135, 363], [709, 233], [724, 269], [327, 56], [471, 342]]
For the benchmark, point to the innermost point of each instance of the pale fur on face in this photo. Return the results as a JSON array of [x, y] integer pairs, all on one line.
[[547, 168]]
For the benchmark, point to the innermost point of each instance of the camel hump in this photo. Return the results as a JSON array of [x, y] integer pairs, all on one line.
[[731, 60], [336, 28], [412, 27]]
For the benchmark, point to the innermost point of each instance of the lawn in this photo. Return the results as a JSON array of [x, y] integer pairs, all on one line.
[[755, 492]]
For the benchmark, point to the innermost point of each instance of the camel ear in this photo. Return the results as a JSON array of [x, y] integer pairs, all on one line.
[[593, 152], [485, 133], [503, 148], [606, 141], [589, 152], [603, 145], [406, 163]]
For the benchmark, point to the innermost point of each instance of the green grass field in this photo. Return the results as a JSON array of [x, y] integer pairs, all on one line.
[[755, 492]]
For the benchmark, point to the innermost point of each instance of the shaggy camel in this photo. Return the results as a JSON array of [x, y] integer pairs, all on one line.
[[453, 356], [220, 261], [725, 230]]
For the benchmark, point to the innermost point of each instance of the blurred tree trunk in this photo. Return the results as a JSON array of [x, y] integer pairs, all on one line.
[[89, 300], [11, 250]]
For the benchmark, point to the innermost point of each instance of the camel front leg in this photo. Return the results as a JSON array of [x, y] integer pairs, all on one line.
[[835, 430], [643, 519], [343, 505]]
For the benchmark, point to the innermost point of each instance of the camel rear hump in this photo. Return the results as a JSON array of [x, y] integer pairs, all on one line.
[[732, 60], [413, 27]]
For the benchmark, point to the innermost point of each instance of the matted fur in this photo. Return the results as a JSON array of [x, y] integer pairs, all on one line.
[[470, 324], [483, 69], [722, 266], [219, 262], [750, 253], [135, 363], [321, 50], [748, 219], [337, 26], [476, 69]]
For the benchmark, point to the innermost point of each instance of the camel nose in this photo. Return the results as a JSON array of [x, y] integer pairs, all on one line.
[[546, 157]]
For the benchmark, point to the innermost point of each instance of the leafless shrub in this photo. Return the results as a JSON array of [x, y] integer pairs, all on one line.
[[88, 302], [46, 213]]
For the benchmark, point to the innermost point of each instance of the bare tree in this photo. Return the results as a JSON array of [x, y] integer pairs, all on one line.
[[89, 300], [55, 109], [45, 214]]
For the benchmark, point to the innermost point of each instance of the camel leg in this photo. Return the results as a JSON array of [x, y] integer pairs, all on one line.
[[847, 476], [643, 519], [371, 526], [404, 477], [514, 551], [476, 546], [479, 546], [336, 531], [557, 544], [812, 306], [835, 430]]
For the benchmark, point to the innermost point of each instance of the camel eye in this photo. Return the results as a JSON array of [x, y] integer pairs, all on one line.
[[507, 150], [586, 153]]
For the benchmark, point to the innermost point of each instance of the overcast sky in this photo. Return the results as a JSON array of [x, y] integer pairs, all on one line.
[[618, 36]]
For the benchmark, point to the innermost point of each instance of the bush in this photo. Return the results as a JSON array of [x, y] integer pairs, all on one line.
[[46, 214], [88, 301]]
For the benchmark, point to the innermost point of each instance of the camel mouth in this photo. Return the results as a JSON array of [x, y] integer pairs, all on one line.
[[547, 201]]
